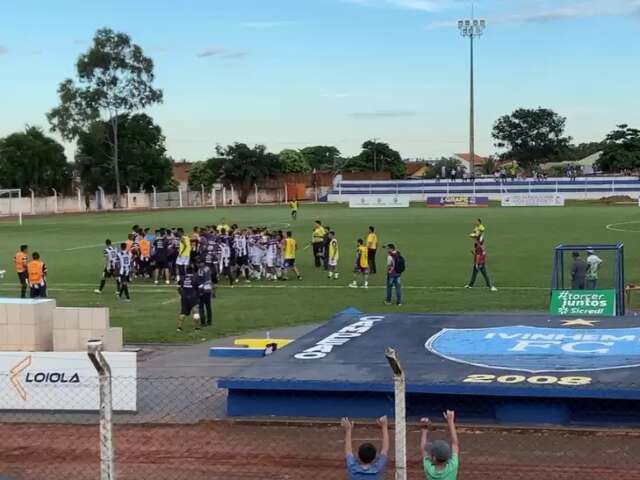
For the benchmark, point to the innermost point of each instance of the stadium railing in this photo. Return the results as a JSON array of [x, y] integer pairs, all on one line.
[[580, 188], [181, 431]]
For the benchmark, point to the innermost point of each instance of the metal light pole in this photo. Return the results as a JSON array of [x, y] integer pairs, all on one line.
[[471, 28]]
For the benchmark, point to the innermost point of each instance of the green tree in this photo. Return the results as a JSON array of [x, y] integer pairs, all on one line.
[[447, 163], [113, 77], [321, 157], [531, 136], [243, 167], [294, 161], [622, 150], [205, 173], [143, 159], [377, 157], [31, 160]]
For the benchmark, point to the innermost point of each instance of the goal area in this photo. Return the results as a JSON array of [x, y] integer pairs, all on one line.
[[584, 272], [11, 204]]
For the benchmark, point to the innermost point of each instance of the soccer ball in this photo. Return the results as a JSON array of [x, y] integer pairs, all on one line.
[[335, 275]]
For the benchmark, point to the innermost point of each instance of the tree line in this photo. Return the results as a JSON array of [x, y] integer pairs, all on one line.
[[118, 145]]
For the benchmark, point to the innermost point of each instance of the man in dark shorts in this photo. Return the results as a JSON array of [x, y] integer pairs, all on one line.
[[189, 290], [20, 259], [110, 266], [206, 291], [161, 257]]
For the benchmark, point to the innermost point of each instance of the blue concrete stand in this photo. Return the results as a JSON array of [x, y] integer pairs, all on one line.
[[495, 368]]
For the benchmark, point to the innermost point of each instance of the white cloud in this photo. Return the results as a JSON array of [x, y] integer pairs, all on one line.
[[268, 24], [524, 12], [335, 95], [382, 114], [421, 5], [222, 52]]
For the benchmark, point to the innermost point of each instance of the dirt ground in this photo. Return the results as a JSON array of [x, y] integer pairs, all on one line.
[[228, 450]]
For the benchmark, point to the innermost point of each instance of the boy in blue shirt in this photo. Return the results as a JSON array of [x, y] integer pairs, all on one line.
[[370, 465]]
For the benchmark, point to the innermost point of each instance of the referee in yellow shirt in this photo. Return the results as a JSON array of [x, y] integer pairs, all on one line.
[[317, 242], [372, 246]]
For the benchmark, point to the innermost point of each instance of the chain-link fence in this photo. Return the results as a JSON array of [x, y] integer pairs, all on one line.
[[180, 431]]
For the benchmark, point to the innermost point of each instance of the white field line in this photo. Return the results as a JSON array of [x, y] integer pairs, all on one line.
[[81, 247], [172, 288], [612, 227]]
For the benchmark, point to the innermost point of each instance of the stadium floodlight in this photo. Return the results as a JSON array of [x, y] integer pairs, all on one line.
[[472, 28]]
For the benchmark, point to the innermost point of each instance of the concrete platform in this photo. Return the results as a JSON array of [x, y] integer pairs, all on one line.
[[491, 368]]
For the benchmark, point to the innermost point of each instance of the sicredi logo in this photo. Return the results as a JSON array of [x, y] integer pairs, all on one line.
[[535, 349], [339, 338]]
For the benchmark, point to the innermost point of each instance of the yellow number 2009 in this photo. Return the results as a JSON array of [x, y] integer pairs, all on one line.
[[535, 380]]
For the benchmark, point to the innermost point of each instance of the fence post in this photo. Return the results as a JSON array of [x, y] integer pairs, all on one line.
[[286, 193], [180, 197], [224, 196], [79, 199], [202, 193], [33, 201], [94, 350], [128, 198], [155, 196], [213, 196], [55, 200], [256, 190], [400, 413]]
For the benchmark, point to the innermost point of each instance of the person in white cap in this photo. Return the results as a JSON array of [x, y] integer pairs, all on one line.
[[593, 265]]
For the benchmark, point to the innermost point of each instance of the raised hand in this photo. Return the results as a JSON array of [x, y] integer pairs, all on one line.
[[347, 424]]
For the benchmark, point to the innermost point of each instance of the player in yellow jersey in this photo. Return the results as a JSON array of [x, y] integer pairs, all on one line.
[[184, 254], [372, 246], [478, 231], [289, 255], [334, 255], [362, 265], [293, 206]]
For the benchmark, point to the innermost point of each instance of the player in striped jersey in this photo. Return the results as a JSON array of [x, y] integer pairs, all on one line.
[[110, 266], [241, 252], [124, 271]]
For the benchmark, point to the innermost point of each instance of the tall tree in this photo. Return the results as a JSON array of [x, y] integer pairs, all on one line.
[[205, 173], [293, 161], [447, 163], [143, 158], [321, 157], [113, 77], [622, 150], [531, 136], [31, 160], [377, 157], [243, 166]]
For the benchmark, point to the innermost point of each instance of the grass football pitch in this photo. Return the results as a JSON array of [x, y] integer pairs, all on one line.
[[435, 243]]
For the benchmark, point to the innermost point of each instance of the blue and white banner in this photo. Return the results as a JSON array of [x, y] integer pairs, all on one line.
[[535, 349]]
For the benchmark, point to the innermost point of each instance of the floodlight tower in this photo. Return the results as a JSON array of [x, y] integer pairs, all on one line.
[[472, 28]]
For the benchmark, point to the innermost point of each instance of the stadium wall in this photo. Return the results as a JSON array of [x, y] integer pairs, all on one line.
[[586, 188]]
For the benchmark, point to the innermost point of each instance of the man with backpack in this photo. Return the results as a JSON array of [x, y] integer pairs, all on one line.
[[395, 268]]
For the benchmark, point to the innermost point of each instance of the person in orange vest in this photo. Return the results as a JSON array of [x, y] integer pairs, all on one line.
[[144, 247], [20, 259], [37, 271]]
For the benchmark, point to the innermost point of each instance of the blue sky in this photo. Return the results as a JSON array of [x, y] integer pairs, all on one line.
[[290, 73]]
